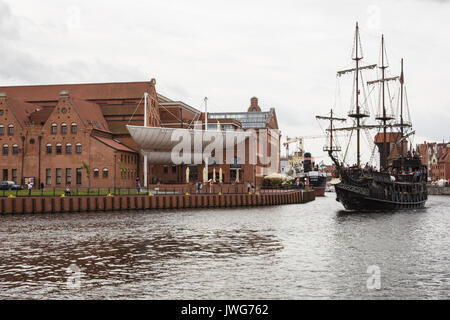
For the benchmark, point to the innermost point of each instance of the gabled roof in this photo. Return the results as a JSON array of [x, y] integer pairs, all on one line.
[[90, 113], [21, 110], [87, 91], [114, 144], [445, 157]]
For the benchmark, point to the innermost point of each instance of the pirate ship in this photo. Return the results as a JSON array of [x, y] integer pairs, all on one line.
[[401, 181]]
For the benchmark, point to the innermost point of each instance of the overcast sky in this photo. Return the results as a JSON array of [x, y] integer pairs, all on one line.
[[284, 52]]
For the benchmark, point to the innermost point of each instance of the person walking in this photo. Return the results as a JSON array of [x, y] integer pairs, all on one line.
[[138, 186], [30, 186], [248, 187], [200, 187]]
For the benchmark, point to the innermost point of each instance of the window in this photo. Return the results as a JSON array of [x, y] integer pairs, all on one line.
[[68, 148], [105, 173], [14, 175], [54, 128], [78, 175], [166, 169], [96, 171], [10, 130], [15, 149], [174, 169], [59, 148], [63, 128], [2, 130], [5, 150], [48, 176], [49, 148], [5, 174], [58, 175], [1, 112], [74, 128], [68, 176], [78, 147], [64, 110]]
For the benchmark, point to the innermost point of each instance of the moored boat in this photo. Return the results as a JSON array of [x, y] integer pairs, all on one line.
[[401, 181]]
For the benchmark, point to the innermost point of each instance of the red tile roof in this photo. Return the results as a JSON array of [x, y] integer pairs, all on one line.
[[21, 110], [90, 114], [88, 91], [113, 144], [390, 137]]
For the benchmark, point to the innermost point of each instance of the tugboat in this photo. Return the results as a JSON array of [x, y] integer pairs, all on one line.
[[401, 181], [316, 178]]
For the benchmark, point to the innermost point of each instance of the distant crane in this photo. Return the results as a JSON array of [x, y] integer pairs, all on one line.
[[300, 143]]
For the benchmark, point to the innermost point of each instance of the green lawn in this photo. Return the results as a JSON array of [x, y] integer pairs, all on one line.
[[74, 192]]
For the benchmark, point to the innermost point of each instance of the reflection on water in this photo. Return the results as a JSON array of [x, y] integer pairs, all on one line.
[[314, 250]]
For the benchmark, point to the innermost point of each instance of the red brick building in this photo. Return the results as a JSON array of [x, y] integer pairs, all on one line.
[[437, 157], [75, 134]]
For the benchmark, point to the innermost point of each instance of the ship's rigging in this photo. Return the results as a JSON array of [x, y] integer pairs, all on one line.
[[361, 107]]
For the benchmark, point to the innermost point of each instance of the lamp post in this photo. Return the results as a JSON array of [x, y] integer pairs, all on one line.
[[145, 154], [206, 128]]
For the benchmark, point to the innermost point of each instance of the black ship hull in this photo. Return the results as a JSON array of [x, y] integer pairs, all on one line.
[[318, 181], [360, 199]]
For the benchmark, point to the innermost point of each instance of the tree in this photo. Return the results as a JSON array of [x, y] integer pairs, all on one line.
[[123, 171], [87, 168]]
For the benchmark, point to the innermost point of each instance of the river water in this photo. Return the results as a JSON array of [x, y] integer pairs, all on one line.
[[305, 251]]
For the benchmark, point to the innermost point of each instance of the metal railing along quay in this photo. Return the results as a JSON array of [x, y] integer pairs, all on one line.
[[154, 190]]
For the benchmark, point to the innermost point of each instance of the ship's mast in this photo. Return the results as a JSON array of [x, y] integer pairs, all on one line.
[[357, 114], [383, 67], [331, 148], [358, 152], [402, 79], [384, 117]]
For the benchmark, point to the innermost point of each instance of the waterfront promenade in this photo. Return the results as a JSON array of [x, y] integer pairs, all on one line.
[[163, 200]]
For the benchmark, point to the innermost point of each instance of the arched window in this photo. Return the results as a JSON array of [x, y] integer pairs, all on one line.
[[96, 171], [15, 149], [11, 130], [59, 148], [105, 173], [78, 148], [49, 148], [63, 128], [54, 128], [68, 148], [74, 128], [5, 149], [2, 130]]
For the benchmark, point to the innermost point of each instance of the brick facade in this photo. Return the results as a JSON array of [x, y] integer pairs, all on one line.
[[53, 133], [437, 157]]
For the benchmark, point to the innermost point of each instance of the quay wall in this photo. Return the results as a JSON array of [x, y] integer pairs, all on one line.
[[44, 204], [439, 190]]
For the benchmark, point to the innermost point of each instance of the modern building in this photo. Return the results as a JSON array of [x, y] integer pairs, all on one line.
[[76, 135]]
